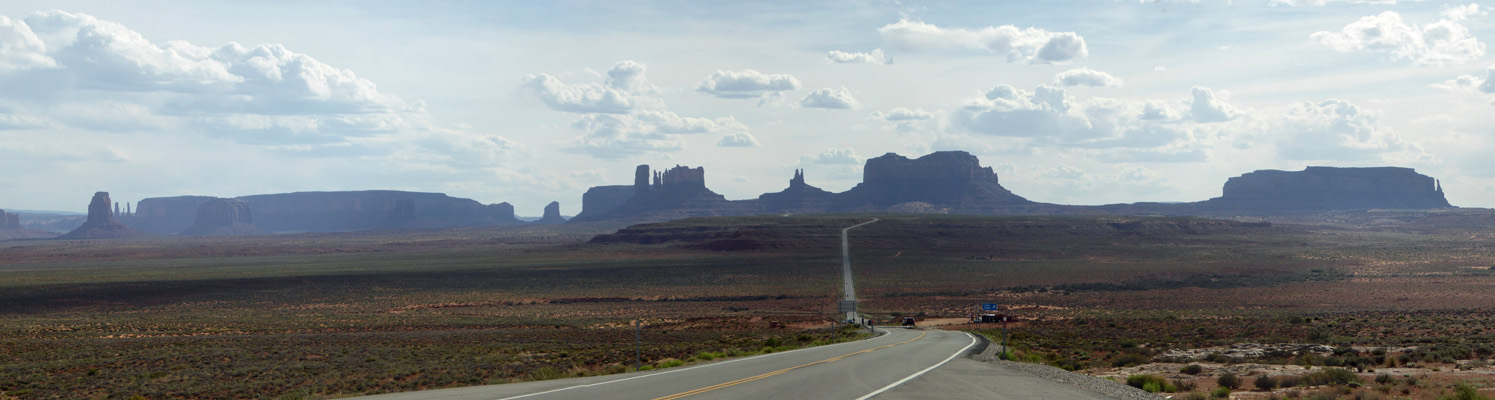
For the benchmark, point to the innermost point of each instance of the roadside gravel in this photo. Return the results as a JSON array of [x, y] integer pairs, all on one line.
[[1103, 387]]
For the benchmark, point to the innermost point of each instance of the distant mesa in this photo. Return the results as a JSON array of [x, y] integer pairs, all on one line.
[[1331, 188], [101, 223], [945, 179], [223, 217], [11, 228], [9, 220], [1312, 190], [331, 212], [675, 193], [552, 215]]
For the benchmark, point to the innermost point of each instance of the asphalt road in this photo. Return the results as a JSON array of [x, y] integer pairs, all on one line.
[[848, 288]]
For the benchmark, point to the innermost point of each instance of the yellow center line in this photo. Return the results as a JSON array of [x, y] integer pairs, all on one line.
[[750, 379]]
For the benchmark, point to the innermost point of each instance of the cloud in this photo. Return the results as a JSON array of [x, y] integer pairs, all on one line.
[[20, 49], [829, 98], [738, 139], [613, 136], [1188, 129], [746, 84], [1326, 2], [1460, 13], [74, 71], [1335, 130], [622, 92], [843, 156], [1086, 77], [1470, 83], [874, 57], [1439, 43], [903, 114], [1031, 45], [1205, 107]]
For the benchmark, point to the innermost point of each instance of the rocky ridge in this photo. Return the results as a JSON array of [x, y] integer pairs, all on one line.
[[101, 223]]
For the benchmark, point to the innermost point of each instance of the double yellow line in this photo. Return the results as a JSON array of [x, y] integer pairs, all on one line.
[[780, 372]]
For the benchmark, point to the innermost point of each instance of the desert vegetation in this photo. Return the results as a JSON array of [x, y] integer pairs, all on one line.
[[1338, 309]]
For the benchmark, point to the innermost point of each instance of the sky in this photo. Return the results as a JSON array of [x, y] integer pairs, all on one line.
[[1073, 102]]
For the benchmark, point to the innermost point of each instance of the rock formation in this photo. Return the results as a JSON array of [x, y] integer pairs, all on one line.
[[165, 215], [221, 217], [330, 211], [600, 201], [799, 197], [678, 192], [362, 210], [101, 223], [1330, 188], [9, 220], [552, 215], [946, 179]]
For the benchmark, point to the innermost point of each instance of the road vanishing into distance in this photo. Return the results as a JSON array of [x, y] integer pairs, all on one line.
[[849, 289], [897, 364]]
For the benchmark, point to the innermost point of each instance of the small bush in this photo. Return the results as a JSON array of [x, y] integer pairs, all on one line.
[[1265, 383], [1229, 380], [1130, 360], [1385, 379], [1196, 396], [1150, 383], [1192, 369], [668, 363], [1184, 385], [1290, 381], [546, 373], [1463, 391], [1220, 393]]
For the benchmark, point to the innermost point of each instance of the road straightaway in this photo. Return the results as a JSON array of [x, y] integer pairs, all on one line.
[[848, 288]]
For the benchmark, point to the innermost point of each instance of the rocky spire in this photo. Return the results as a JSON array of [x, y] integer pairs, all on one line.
[[101, 223]]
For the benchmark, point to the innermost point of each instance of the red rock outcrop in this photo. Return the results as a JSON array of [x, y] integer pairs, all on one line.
[[799, 197], [165, 215], [600, 201], [679, 192], [101, 223], [223, 217]]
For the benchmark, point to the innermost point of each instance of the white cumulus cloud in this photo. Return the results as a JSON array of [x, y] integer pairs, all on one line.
[[1031, 45], [830, 98], [738, 139], [1442, 42], [746, 84], [904, 114], [842, 156], [622, 92], [1206, 107], [1460, 13], [1087, 77], [876, 56]]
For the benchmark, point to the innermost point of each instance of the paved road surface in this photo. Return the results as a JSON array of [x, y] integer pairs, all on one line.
[[848, 289]]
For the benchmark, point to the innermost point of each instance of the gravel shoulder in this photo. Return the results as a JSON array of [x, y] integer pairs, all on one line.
[[1103, 387]]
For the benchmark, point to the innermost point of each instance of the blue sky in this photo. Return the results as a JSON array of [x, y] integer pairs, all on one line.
[[527, 102]]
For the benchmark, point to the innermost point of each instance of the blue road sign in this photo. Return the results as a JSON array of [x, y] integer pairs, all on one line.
[[988, 306]]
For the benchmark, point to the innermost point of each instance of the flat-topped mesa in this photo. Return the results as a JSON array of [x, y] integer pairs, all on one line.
[[946, 178], [220, 217], [165, 215], [101, 223], [552, 215], [1332, 188]]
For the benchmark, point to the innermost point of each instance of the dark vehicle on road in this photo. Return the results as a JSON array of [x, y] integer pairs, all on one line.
[[908, 322]]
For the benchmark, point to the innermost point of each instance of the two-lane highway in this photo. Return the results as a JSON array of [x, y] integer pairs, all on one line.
[[842, 371], [849, 291]]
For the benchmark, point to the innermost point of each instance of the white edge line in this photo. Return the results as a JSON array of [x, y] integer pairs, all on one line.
[[691, 368], [916, 374]]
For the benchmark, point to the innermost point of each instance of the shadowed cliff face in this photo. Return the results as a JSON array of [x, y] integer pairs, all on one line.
[[552, 215], [223, 217], [952, 179], [1328, 188]]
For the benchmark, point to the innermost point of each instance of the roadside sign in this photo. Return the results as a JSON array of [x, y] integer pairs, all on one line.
[[989, 307], [846, 306]]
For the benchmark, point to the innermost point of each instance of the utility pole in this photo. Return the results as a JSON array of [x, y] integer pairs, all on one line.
[[1004, 337], [638, 336]]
